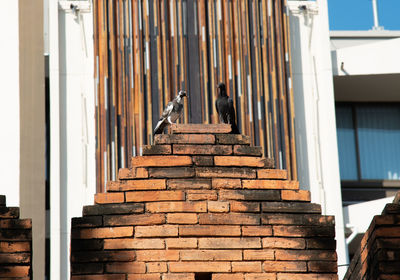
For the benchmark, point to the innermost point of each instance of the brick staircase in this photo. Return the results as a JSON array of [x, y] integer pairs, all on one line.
[[15, 243], [203, 204], [378, 256]]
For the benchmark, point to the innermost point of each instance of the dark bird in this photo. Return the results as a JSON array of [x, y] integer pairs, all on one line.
[[171, 113], [225, 109]]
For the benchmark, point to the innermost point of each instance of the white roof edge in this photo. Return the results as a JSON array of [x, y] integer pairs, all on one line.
[[365, 34]]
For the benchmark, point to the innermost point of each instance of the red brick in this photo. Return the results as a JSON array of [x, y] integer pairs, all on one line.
[[200, 128], [308, 276], [291, 207], [171, 172], [240, 206], [246, 150], [218, 206], [87, 221], [305, 255], [182, 218], [229, 219], [87, 268], [202, 195], [229, 243], [113, 209], [108, 198], [133, 243], [239, 161], [14, 247], [189, 184], [152, 267], [265, 195], [321, 243], [181, 243], [99, 277], [200, 267], [320, 266], [103, 256], [275, 266], [304, 231], [388, 231], [202, 230], [262, 255], [131, 185], [141, 172], [157, 150], [226, 183], [203, 160], [184, 139], [138, 220], [270, 184], [280, 242], [225, 172], [178, 206], [260, 276], [202, 149], [256, 230], [272, 174], [155, 231], [298, 219], [227, 276], [158, 161], [9, 212], [157, 255], [178, 276], [246, 267], [17, 258], [16, 223], [142, 196], [106, 232], [147, 276], [126, 267], [233, 139], [296, 195], [211, 255]]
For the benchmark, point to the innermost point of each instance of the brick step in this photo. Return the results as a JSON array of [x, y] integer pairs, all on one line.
[[202, 194], [9, 212], [185, 149], [143, 172], [200, 128], [177, 180], [198, 183], [205, 139]]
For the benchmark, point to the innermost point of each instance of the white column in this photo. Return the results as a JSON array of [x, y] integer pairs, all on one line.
[[316, 140], [9, 103]]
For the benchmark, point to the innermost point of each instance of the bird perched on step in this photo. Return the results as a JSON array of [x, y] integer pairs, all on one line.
[[225, 109], [171, 113]]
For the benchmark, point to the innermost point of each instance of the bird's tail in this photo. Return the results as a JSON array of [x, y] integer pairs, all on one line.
[[160, 127], [235, 129]]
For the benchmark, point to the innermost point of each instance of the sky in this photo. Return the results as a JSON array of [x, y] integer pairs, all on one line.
[[357, 14]]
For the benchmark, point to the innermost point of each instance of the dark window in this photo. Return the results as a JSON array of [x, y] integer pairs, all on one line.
[[368, 141]]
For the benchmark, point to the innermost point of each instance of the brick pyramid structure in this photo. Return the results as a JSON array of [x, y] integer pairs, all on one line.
[[15, 243], [203, 204], [378, 257]]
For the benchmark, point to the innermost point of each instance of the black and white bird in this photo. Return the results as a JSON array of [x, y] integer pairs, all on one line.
[[225, 109], [171, 113]]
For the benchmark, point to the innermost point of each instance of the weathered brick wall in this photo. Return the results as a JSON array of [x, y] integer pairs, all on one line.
[[378, 257], [15, 243], [203, 201]]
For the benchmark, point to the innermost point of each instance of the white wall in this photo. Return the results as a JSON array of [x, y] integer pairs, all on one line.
[[9, 104], [77, 129], [368, 59], [315, 124]]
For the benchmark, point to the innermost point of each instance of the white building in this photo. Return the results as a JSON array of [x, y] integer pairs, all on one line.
[[331, 70]]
